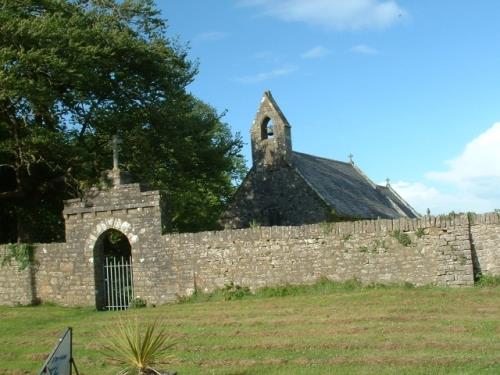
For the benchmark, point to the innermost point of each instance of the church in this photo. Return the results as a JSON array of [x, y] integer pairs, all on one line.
[[286, 187]]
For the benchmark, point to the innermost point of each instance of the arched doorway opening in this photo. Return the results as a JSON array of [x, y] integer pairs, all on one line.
[[113, 271]]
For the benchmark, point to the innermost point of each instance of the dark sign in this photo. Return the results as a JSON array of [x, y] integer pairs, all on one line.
[[60, 361]]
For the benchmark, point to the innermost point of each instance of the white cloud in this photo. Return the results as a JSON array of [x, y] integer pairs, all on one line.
[[264, 76], [364, 49], [316, 53], [210, 36], [333, 14], [478, 163], [422, 197], [471, 183]]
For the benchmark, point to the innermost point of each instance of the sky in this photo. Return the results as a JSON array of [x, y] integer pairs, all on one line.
[[410, 87]]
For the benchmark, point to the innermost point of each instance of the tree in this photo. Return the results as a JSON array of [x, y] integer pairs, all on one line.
[[73, 73]]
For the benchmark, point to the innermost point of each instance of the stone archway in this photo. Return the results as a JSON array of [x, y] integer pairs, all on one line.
[[113, 271]]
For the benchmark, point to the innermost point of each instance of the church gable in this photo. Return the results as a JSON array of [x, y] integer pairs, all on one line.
[[270, 134], [285, 187], [274, 196]]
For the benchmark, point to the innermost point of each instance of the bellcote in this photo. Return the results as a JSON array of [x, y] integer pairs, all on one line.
[[270, 133]]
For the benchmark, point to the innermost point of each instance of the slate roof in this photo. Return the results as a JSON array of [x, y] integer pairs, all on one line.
[[348, 191]]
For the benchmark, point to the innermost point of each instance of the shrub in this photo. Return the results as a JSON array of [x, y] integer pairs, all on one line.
[[22, 253], [254, 224], [402, 237], [488, 280], [232, 291], [420, 232], [138, 347], [346, 237], [363, 249], [137, 303]]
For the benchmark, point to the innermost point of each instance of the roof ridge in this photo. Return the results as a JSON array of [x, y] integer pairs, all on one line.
[[372, 184], [389, 187], [321, 157]]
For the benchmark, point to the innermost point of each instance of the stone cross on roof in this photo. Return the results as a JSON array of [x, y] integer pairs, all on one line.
[[350, 158], [387, 182], [116, 142]]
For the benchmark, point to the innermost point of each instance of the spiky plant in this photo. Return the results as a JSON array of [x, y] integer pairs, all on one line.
[[138, 347]]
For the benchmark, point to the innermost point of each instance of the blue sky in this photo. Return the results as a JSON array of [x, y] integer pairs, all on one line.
[[411, 88]]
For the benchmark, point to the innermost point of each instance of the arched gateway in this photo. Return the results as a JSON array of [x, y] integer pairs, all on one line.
[[116, 228], [114, 283]]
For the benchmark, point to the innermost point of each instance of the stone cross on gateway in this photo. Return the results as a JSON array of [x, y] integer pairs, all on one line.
[[116, 176], [116, 142]]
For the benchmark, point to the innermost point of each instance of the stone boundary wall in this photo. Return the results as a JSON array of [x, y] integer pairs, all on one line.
[[15, 285], [442, 251], [439, 253], [53, 278], [485, 241]]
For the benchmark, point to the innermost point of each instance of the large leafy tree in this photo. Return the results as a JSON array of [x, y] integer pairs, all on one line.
[[72, 74]]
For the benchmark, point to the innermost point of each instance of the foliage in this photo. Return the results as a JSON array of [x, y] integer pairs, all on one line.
[[73, 73], [232, 291], [420, 232], [347, 237], [327, 227], [403, 238], [332, 216], [254, 224], [363, 249], [462, 260], [471, 217], [115, 237], [137, 303], [21, 253], [487, 281], [379, 244], [138, 347]]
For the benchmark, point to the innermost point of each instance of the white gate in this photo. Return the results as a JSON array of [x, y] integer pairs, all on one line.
[[119, 287]]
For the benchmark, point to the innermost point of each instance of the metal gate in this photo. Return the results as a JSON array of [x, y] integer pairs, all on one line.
[[118, 284]]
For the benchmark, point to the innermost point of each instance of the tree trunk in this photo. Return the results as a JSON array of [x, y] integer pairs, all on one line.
[[23, 235]]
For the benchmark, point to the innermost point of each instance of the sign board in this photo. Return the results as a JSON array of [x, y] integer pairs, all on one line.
[[60, 361]]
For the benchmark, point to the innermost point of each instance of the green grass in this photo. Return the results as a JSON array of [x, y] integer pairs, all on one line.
[[327, 329]]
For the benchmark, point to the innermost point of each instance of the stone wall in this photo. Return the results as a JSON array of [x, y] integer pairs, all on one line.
[[63, 275], [439, 253], [167, 266], [485, 236], [15, 285]]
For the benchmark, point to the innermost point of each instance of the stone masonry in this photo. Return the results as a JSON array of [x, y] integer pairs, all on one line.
[[442, 252]]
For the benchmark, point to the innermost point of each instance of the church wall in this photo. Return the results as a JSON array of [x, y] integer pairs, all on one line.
[[274, 194]]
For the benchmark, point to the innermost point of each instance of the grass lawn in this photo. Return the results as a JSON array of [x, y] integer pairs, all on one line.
[[359, 331]]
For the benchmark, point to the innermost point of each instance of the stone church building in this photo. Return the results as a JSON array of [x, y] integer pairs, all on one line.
[[286, 187]]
